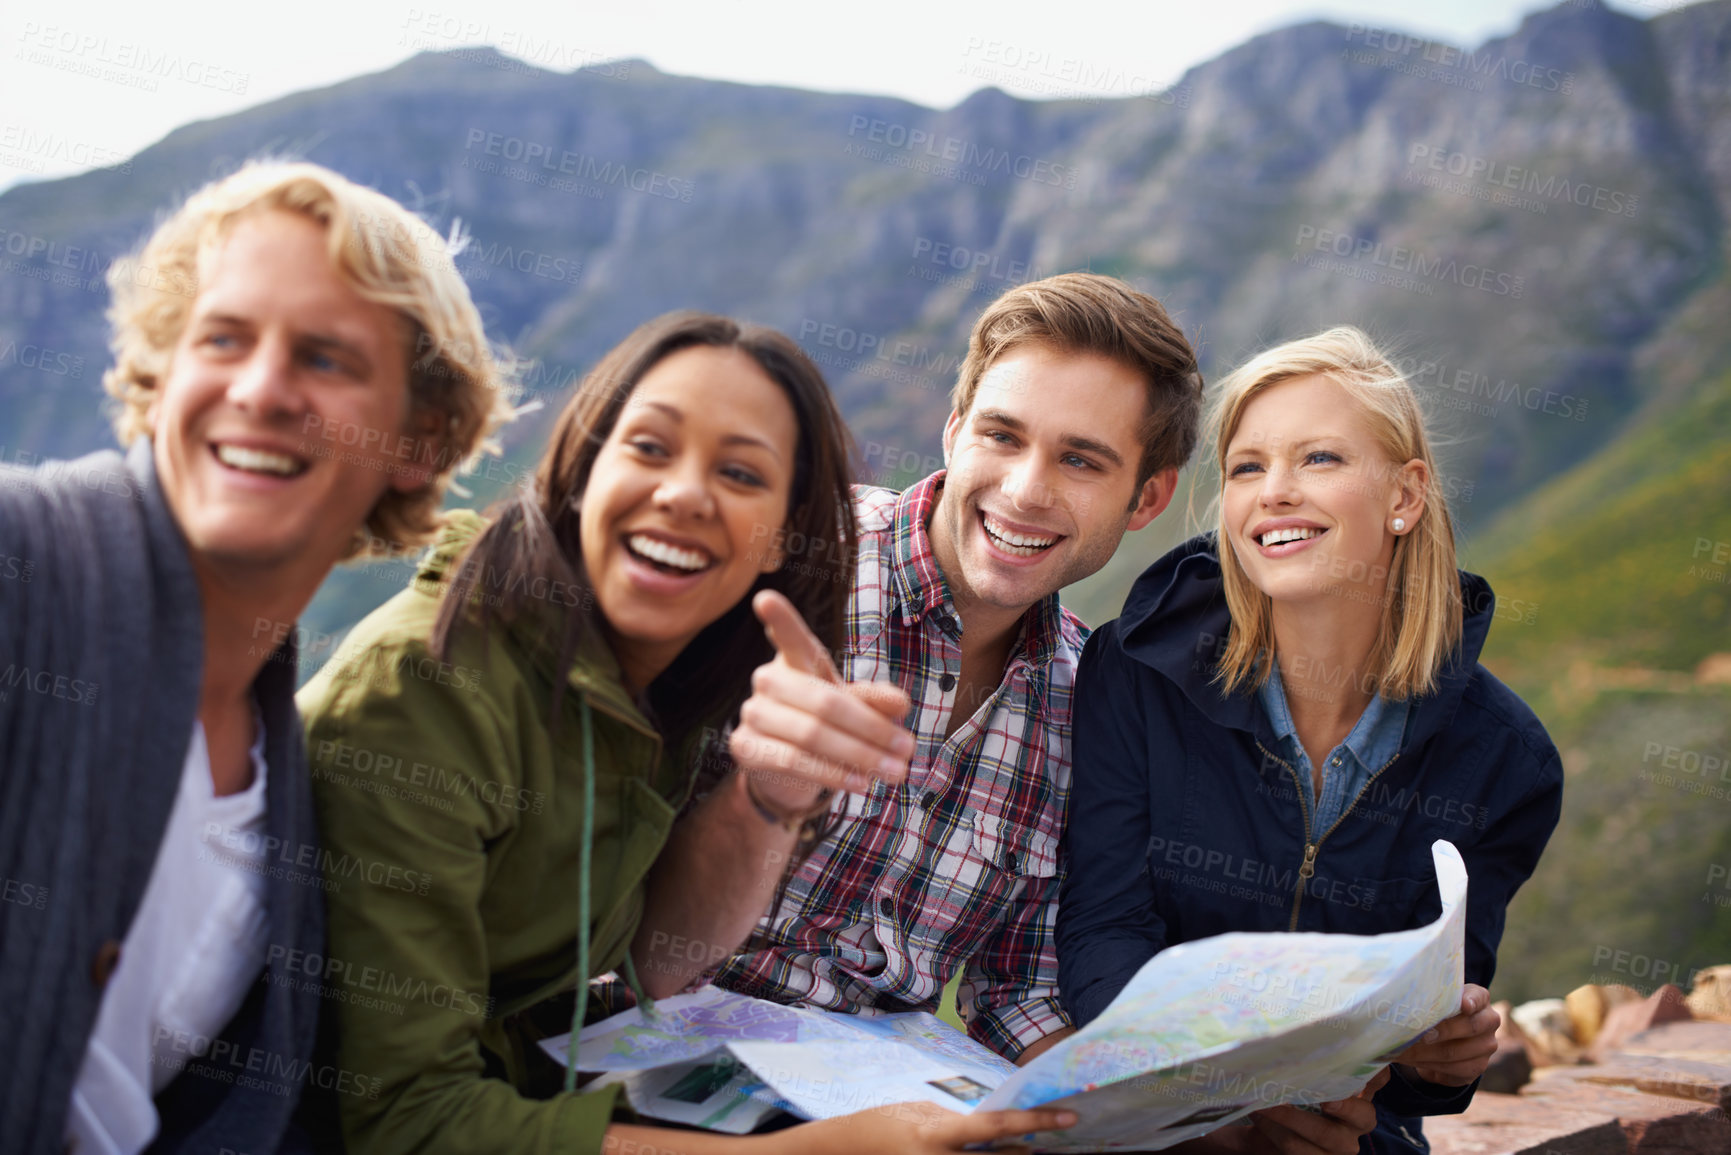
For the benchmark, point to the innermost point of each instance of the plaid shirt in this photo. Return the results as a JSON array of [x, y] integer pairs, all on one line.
[[957, 868]]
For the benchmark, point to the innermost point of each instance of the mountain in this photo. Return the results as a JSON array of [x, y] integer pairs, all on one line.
[[859, 222], [1538, 225]]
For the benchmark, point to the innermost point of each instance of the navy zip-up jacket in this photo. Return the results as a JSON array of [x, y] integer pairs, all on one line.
[[1185, 822]]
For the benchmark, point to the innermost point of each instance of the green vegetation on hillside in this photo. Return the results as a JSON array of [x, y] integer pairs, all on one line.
[[1638, 862], [1621, 565], [1624, 561]]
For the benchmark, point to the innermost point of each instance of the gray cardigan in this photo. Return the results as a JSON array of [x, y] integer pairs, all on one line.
[[101, 648]]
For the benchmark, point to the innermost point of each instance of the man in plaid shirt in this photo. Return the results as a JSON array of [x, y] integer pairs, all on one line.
[[1075, 408]]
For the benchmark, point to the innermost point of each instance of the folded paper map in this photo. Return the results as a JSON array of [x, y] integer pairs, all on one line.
[[1205, 1033], [814, 1063]]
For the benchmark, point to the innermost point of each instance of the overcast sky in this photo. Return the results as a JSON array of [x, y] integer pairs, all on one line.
[[83, 84]]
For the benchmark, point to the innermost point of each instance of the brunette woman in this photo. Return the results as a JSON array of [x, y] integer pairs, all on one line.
[[501, 750]]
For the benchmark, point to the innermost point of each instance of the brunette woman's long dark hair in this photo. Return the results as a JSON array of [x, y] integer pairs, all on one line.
[[535, 534]]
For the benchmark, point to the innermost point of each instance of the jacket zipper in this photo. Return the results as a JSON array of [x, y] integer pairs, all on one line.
[[1307, 868], [1361, 793]]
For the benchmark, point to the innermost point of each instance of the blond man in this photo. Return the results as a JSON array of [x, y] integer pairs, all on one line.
[[298, 369]]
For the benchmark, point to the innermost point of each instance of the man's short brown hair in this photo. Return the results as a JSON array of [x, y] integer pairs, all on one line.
[[1089, 313]]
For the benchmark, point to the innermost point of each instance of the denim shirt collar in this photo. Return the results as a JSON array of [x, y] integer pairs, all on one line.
[[1373, 741]]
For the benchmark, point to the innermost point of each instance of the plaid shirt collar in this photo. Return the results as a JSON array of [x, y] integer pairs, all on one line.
[[920, 587]]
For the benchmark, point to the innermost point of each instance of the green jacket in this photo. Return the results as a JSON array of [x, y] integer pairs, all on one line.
[[451, 815]]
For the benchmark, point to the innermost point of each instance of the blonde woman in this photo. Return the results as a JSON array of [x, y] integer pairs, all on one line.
[[1287, 714]]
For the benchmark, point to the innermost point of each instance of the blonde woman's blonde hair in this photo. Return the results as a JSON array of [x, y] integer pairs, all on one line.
[[1421, 602], [388, 256]]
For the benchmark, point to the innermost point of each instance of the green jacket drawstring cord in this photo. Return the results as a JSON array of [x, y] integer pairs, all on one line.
[[586, 849]]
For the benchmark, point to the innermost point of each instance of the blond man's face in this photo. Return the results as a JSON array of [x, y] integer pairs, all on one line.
[[282, 419]]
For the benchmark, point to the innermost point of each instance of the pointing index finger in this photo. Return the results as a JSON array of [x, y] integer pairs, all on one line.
[[791, 637]]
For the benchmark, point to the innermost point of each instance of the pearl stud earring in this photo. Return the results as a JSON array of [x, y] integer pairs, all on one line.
[[1399, 524]]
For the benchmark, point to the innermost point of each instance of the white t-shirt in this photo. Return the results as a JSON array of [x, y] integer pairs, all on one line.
[[192, 952]]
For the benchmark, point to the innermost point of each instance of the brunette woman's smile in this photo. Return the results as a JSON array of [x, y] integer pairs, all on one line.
[[666, 564]]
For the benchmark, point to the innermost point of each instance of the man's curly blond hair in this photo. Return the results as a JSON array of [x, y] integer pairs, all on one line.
[[383, 251]]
